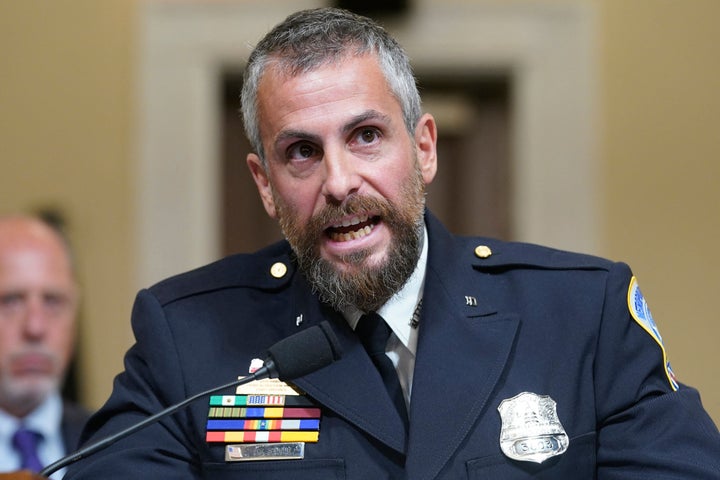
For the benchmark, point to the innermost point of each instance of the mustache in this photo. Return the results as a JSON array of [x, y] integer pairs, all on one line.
[[42, 352], [353, 205]]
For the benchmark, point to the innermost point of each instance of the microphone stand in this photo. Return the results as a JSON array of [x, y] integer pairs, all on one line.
[[315, 348], [106, 442]]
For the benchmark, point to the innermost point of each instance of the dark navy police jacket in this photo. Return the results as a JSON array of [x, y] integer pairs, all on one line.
[[514, 319]]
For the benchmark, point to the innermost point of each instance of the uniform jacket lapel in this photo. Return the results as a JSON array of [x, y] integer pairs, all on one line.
[[462, 350], [463, 347], [351, 387]]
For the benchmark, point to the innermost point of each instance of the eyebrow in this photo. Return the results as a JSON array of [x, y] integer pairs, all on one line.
[[347, 128], [364, 117]]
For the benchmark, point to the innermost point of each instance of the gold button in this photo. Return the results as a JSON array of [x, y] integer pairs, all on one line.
[[278, 270], [483, 251]]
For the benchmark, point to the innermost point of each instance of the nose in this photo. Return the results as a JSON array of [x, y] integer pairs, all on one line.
[[35, 320], [341, 175]]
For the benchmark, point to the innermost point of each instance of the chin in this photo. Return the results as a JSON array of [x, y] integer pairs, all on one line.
[[360, 262], [29, 390]]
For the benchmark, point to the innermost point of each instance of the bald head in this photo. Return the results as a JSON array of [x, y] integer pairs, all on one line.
[[23, 230], [38, 305]]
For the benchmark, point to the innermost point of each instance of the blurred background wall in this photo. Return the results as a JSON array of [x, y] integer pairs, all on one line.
[[70, 135], [66, 143]]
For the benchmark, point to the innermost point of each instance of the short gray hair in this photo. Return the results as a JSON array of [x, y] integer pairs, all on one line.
[[311, 38]]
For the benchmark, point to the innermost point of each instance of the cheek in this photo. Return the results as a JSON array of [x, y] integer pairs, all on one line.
[[299, 200], [6, 347], [10, 338], [393, 180], [61, 339]]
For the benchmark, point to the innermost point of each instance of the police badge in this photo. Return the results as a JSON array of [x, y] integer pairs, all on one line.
[[531, 430]]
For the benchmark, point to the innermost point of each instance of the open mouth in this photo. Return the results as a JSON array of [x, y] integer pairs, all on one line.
[[352, 228]]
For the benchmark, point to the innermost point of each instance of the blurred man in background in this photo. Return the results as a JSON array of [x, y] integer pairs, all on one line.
[[38, 309]]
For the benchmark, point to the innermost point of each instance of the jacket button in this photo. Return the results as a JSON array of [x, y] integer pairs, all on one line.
[[278, 270], [483, 251]]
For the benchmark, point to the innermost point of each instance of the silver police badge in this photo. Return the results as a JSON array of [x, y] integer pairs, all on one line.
[[531, 430]]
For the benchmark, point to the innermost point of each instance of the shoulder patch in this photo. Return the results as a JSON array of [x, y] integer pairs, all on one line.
[[641, 313]]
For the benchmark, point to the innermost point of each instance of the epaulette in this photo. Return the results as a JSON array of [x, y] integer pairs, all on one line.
[[486, 253], [268, 269]]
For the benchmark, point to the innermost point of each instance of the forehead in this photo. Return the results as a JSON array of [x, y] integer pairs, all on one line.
[[350, 85], [34, 263]]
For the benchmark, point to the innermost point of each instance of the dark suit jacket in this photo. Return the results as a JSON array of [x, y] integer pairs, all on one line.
[[524, 319], [73, 420]]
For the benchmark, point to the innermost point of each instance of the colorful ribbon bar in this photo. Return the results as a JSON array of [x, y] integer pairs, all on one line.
[[264, 412], [259, 400], [261, 437], [297, 424]]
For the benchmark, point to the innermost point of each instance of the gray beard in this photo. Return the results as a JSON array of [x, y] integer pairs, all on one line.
[[370, 288], [367, 287]]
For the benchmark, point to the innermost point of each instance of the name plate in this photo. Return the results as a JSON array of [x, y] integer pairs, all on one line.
[[266, 386], [265, 451]]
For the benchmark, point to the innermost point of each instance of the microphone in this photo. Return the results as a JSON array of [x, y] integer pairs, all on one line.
[[292, 357]]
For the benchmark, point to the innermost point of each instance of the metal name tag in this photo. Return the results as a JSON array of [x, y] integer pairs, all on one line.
[[531, 430], [264, 451], [266, 386]]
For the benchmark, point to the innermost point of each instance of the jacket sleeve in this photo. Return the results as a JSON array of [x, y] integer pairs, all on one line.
[[151, 382], [649, 426]]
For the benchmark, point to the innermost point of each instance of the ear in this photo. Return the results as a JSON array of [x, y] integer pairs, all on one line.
[[262, 182], [426, 147]]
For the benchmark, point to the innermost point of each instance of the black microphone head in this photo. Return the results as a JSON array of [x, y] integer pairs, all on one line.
[[303, 352]]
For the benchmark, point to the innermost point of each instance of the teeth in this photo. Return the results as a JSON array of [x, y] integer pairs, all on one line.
[[352, 221], [346, 237]]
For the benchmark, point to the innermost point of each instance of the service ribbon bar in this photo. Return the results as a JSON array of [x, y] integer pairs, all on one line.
[[296, 424], [261, 436], [259, 400], [264, 412]]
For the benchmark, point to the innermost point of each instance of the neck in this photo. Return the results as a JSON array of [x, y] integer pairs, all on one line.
[[20, 408]]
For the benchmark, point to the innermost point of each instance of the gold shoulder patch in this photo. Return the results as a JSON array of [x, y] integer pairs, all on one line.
[[641, 313]]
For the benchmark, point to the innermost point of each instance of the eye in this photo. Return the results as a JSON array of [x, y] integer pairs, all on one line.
[[367, 135], [56, 301], [11, 302], [300, 157], [9, 299], [301, 151]]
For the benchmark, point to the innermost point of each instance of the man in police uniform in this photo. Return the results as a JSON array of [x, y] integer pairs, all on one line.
[[513, 361]]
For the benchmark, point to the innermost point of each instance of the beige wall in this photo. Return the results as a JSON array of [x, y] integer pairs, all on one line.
[[660, 148], [67, 138], [66, 106]]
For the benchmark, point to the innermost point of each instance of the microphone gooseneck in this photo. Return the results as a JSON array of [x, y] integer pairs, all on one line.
[[292, 357]]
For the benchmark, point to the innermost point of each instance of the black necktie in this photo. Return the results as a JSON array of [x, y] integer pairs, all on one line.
[[374, 334]]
